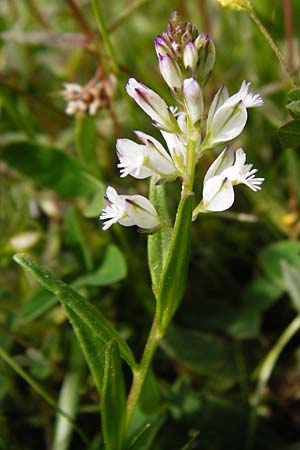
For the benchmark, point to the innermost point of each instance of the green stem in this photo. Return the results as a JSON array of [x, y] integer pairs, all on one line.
[[140, 373], [104, 33], [272, 44], [158, 330], [126, 14], [40, 390], [265, 372]]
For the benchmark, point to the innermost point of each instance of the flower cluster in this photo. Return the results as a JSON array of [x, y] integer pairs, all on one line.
[[82, 100], [239, 5], [186, 59]]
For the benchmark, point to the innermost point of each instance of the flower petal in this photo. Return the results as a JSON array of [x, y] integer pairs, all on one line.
[[218, 194]]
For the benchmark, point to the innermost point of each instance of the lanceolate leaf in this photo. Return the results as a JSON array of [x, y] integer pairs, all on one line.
[[173, 280], [113, 400], [101, 330], [50, 168], [159, 242], [86, 141]]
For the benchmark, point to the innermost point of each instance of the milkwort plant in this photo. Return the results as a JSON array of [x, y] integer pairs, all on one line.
[[186, 59]]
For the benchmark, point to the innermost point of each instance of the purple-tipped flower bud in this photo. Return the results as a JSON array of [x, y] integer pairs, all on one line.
[[193, 99], [170, 71], [190, 56], [161, 46]]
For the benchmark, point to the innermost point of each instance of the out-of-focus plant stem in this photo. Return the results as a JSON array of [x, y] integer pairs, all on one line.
[[264, 372], [272, 44], [40, 390], [126, 13], [103, 31], [80, 19], [288, 18]]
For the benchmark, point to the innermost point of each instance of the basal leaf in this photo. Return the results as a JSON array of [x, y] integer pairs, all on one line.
[[113, 399], [101, 330]]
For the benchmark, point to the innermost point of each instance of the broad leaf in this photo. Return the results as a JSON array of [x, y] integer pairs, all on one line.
[[271, 258], [113, 399], [294, 95], [203, 353], [290, 134], [291, 276], [112, 269], [294, 109], [94, 323], [173, 279], [50, 168], [159, 242]]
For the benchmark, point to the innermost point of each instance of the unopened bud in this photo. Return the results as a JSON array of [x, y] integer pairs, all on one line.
[[193, 98], [170, 71], [190, 56]]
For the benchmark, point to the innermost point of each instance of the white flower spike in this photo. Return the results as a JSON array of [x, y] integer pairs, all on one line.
[[227, 116], [128, 210], [225, 172], [143, 161]]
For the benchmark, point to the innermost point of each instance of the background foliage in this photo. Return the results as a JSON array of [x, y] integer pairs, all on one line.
[[243, 289]]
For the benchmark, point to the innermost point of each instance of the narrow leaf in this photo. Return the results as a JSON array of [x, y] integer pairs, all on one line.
[[174, 275], [50, 168], [113, 399], [290, 134], [92, 318], [159, 242]]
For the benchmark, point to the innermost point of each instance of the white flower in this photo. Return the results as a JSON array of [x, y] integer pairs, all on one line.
[[170, 71], [227, 116], [227, 171], [153, 105], [143, 161], [128, 210]]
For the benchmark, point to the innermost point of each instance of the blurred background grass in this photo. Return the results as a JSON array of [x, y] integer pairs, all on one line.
[[237, 302]]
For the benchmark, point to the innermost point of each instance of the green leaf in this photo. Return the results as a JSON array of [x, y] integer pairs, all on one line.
[[294, 109], [173, 279], [203, 353], [291, 276], [95, 204], [150, 396], [8, 101], [294, 95], [113, 399], [86, 141], [50, 168], [112, 269], [75, 236], [92, 320], [159, 242], [289, 134], [271, 258], [37, 304]]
